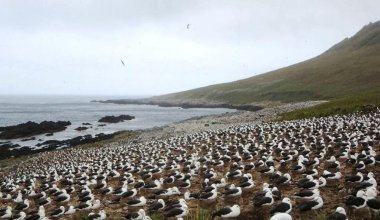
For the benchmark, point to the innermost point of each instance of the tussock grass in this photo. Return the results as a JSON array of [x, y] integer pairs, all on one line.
[[316, 217], [157, 216], [195, 214], [361, 102], [199, 214]]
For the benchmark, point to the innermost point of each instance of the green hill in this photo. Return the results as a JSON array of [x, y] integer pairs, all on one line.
[[348, 68]]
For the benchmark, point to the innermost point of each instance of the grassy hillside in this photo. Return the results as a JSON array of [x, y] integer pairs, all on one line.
[[350, 67], [363, 101]]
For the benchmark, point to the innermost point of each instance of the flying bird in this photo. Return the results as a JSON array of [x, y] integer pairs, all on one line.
[[122, 62], [188, 26]]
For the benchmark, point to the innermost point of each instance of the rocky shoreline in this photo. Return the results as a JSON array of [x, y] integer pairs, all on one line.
[[188, 126], [215, 122], [116, 119], [8, 150], [181, 104], [32, 128], [209, 125], [27, 131]]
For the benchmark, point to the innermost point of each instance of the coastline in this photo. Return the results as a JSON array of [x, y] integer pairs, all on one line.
[[185, 104], [181, 128], [13, 167], [221, 121]]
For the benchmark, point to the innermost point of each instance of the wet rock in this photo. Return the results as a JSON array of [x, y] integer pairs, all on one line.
[[81, 128], [32, 128], [29, 139], [116, 119], [8, 150], [86, 139]]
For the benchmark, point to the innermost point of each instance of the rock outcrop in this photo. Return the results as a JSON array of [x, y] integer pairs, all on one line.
[[32, 128], [116, 119]]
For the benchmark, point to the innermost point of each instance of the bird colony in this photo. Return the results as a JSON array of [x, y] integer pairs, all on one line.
[[325, 167]]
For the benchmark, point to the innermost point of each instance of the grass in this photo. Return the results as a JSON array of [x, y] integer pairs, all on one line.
[[157, 216], [315, 217], [195, 214], [361, 102], [346, 69], [199, 214]]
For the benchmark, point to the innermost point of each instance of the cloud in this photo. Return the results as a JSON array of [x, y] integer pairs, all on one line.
[[75, 46]]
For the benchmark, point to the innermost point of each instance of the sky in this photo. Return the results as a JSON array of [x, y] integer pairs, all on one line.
[[75, 47]]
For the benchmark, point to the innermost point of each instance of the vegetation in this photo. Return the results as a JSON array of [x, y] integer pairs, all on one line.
[[157, 216], [197, 214], [363, 101], [314, 217], [347, 68]]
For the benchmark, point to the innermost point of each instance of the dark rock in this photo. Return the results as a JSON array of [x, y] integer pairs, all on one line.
[[86, 139], [86, 124], [7, 151], [49, 142], [29, 139], [81, 128], [49, 134], [9, 146], [32, 128], [116, 119], [102, 125], [13, 150]]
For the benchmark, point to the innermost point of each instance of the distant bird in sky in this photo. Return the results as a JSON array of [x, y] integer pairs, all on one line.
[[188, 26], [122, 62]]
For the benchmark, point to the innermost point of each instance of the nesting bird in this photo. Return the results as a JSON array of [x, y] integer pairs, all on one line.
[[209, 167], [228, 212]]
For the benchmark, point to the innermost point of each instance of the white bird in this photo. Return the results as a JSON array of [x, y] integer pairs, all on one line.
[[64, 197], [281, 216], [311, 205], [140, 215], [87, 205], [19, 216], [40, 214], [70, 211], [97, 216], [285, 206], [339, 214], [7, 213], [307, 194], [228, 212], [18, 198], [96, 204], [58, 212], [177, 212], [137, 202]]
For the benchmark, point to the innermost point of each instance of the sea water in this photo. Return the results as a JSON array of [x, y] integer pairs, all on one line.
[[79, 109]]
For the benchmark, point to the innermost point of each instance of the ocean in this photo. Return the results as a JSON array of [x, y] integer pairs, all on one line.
[[78, 109]]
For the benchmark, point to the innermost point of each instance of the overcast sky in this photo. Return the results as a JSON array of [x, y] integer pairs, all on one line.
[[75, 46]]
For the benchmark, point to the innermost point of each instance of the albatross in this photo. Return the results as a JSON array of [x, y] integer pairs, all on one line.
[[228, 212]]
